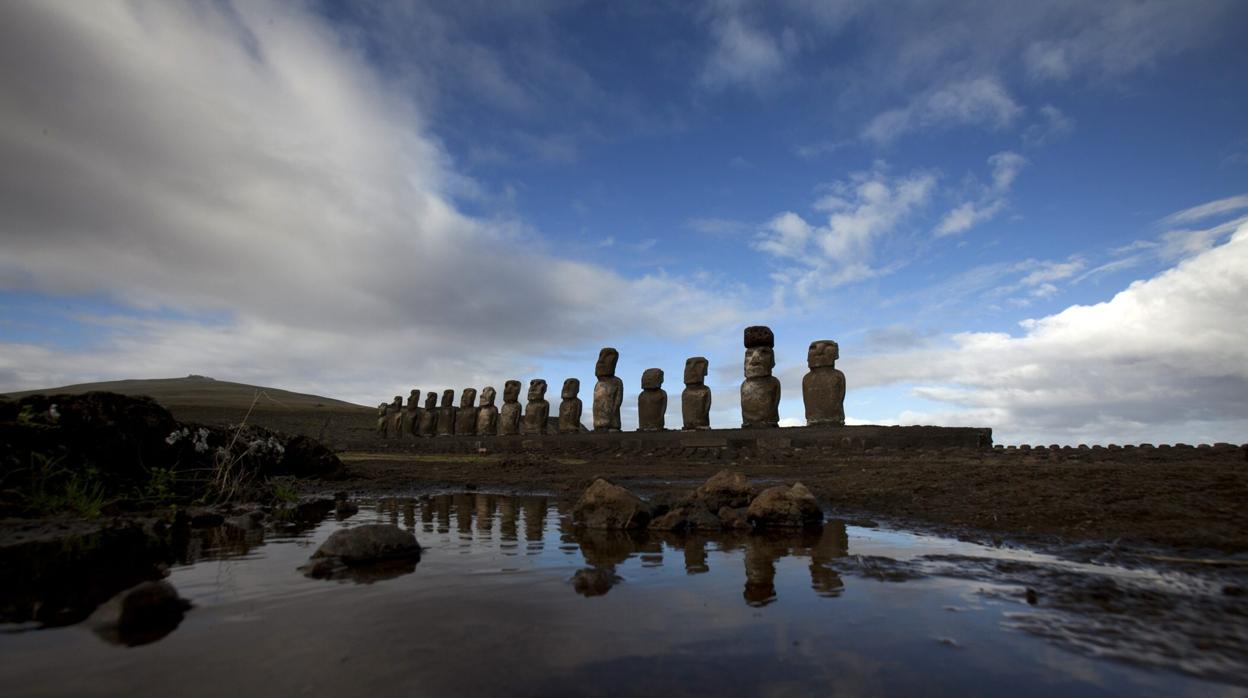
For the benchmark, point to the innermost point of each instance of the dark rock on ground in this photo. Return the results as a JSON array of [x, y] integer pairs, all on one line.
[[604, 505], [734, 518], [727, 488], [782, 506], [139, 615], [687, 517]]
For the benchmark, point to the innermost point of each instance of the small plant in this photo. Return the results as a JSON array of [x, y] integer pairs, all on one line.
[[55, 489], [284, 490]]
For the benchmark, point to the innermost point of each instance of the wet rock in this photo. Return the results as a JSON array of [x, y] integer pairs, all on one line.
[[687, 517], [369, 543], [345, 509], [246, 521], [594, 582], [605, 505], [734, 518], [139, 615], [782, 506], [727, 488]]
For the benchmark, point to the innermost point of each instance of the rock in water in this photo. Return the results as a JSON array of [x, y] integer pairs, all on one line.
[[604, 505], [369, 543], [142, 614], [782, 506]]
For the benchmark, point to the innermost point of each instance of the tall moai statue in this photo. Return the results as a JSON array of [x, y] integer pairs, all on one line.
[[383, 418], [411, 416], [509, 416], [537, 410], [695, 401], [429, 416], [608, 391], [570, 407], [652, 402], [447, 413], [760, 392], [823, 389], [394, 427], [487, 413], [466, 418]]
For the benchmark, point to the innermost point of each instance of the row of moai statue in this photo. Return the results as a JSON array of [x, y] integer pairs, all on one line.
[[823, 392]]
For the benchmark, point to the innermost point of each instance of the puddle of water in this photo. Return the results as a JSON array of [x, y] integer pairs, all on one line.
[[508, 598]]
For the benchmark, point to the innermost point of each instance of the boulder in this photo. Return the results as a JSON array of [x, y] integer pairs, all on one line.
[[782, 506], [727, 488], [139, 615], [687, 517], [605, 505], [734, 518], [369, 543]]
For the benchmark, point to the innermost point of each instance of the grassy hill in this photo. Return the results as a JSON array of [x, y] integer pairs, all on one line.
[[209, 401]]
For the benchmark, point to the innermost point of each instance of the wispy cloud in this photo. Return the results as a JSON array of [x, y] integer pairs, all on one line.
[[978, 102], [991, 199]]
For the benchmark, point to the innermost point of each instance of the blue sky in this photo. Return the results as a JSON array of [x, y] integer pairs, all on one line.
[[1022, 217]]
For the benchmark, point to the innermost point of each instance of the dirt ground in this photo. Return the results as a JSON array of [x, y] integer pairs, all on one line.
[[1192, 500]]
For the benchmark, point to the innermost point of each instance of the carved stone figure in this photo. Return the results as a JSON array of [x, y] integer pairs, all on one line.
[[608, 392], [537, 410], [411, 417], [570, 407], [823, 389], [487, 413], [652, 403], [429, 416], [383, 418], [466, 418], [394, 428], [509, 415], [447, 413], [760, 392], [695, 401]]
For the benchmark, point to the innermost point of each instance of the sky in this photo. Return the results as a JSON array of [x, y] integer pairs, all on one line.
[[1025, 216]]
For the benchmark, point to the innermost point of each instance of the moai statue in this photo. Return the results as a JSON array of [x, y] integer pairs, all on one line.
[[383, 418], [394, 427], [570, 407], [447, 413], [537, 410], [608, 392], [487, 413], [823, 389], [509, 416], [429, 415], [695, 401], [760, 392], [466, 418], [411, 417], [652, 403]]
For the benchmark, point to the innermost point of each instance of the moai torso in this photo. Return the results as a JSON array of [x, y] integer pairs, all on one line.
[[383, 418], [411, 416], [570, 407], [695, 401], [652, 403], [429, 415], [823, 388], [760, 392], [537, 410], [509, 415], [608, 392], [487, 413], [394, 428], [447, 413], [466, 418]]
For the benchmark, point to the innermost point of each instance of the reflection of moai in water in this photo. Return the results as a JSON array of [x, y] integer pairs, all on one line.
[[570, 407], [652, 402], [487, 413], [823, 389], [509, 416], [608, 392], [447, 413], [411, 416], [394, 427], [537, 409], [695, 401], [466, 417], [760, 392], [429, 415], [383, 418]]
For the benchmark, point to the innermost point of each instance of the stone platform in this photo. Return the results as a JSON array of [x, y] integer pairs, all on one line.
[[708, 442]]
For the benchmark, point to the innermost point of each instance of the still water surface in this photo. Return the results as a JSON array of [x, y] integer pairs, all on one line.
[[509, 599]]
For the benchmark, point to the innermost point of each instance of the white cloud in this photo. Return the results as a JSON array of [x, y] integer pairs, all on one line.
[[1165, 359], [978, 102], [1207, 210], [743, 55], [1053, 125], [247, 163], [990, 200]]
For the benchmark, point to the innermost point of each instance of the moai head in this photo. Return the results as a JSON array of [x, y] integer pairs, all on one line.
[[759, 361], [468, 398], [413, 398], [383, 408], [398, 402], [431, 400], [695, 370], [571, 387], [487, 396], [537, 390], [823, 353], [448, 398], [607, 359], [652, 379], [511, 391]]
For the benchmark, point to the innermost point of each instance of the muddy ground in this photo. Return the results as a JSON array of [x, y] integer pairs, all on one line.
[[1193, 500]]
